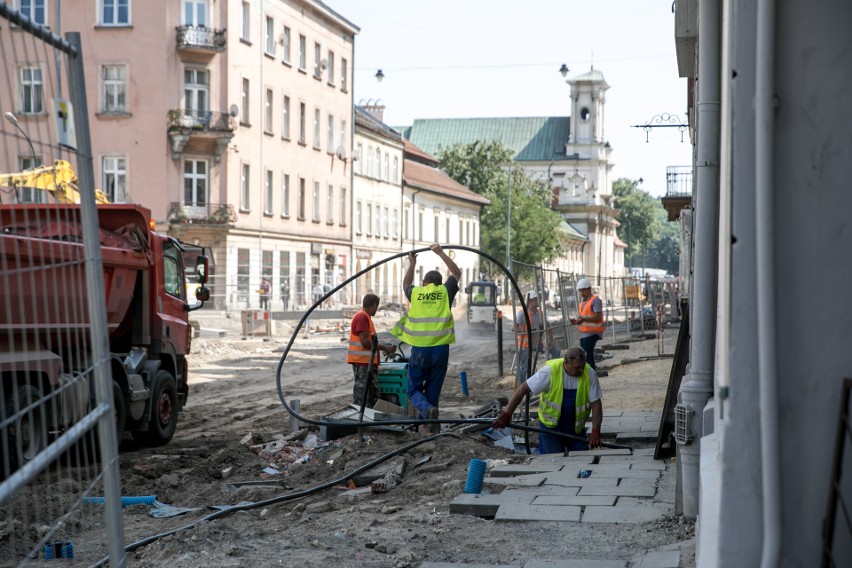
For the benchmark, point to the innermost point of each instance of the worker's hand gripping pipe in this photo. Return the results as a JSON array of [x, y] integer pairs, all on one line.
[[401, 422]]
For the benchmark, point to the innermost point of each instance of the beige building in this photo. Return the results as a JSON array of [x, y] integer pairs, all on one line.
[[231, 120]]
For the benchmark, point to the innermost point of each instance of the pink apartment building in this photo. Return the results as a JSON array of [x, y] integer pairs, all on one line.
[[230, 119]]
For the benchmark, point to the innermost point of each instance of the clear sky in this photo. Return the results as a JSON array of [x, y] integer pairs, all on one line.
[[501, 58]]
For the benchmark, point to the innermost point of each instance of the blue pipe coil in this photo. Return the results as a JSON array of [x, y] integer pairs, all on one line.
[[475, 475]]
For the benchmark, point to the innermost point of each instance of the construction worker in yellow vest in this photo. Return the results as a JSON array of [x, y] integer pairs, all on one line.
[[429, 328], [358, 354], [570, 392], [590, 321]]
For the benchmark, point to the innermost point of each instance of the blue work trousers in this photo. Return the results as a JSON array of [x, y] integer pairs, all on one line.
[[427, 369], [588, 345], [548, 444]]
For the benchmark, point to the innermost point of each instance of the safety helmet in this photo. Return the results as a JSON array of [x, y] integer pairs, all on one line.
[[583, 283]]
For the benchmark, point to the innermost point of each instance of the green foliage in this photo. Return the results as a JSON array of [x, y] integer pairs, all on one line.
[[485, 169], [664, 252], [637, 213]]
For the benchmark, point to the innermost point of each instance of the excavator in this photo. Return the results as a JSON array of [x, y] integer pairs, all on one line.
[[59, 179]]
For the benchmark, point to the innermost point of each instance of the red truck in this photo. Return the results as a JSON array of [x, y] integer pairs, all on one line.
[[45, 355]]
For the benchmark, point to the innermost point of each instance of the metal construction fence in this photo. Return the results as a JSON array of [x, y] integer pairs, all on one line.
[[57, 417], [631, 306]]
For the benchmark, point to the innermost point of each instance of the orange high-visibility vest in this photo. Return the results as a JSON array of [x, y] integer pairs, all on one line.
[[358, 353], [586, 311]]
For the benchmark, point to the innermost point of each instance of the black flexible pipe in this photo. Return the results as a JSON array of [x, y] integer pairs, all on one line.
[[401, 422]]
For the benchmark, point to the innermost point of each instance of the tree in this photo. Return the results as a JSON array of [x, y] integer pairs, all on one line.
[[485, 169], [665, 250], [637, 213]]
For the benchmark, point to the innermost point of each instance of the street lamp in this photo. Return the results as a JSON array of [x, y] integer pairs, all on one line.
[[564, 70], [13, 119], [379, 75]]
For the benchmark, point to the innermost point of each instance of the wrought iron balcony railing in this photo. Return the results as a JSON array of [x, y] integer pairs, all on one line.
[[202, 213], [201, 121], [200, 38], [678, 181]]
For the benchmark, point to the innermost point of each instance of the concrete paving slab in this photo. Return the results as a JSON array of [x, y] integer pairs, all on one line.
[[635, 436], [576, 563], [627, 488], [515, 469], [574, 481], [483, 504], [458, 565], [521, 494], [643, 452], [659, 559], [525, 480], [622, 514], [597, 500], [603, 452], [599, 472], [658, 465], [539, 513]]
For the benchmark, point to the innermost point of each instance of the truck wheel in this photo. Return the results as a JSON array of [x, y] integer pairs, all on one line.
[[27, 435], [164, 412]]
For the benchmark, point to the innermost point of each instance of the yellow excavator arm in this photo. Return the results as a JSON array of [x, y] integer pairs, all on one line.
[[59, 179]]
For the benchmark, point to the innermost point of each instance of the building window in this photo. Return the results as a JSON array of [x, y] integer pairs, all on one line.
[[343, 83], [245, 194], [343, 136], [461, 231], [285, 195], [420, 225], [316, 129], [386, 220], [378, 231], [196, 85], [35, 10], [246, 28], [114, 178], [316, 211], [32, 91], [302, 55], [447, 229], [437, 229], [369, 218], [244, 101], [285, 44], [330, 142], [396, 169], [302, 120], [270, 36], [115, 12], [317, 56], [379, 163], [359, 154], [194, 183], [301, 199], [267, 119], [387, 167], [329, 207], [285, 118], [30, 194], [267, 193], [358, 222], [195, 13], [114, 88], [342, 206], [395, 224], [330, 67]]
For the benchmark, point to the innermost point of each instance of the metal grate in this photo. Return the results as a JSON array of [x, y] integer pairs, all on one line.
[[683, 424]]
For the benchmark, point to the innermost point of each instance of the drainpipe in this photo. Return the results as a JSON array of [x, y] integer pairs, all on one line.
[[697, 386], [765, 229]]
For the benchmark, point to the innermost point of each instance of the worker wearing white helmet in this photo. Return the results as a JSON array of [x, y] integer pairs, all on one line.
[[590, 321]]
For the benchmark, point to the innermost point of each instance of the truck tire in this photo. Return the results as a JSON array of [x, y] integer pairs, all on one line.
[[26, 437], [164, 412]]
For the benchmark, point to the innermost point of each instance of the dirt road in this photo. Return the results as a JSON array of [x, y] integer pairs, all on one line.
[[233, 395]]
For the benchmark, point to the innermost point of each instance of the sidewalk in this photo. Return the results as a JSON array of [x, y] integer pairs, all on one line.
[[598, 486]]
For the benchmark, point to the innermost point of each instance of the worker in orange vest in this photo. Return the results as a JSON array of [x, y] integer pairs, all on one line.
[[590, 321], [358, 354]]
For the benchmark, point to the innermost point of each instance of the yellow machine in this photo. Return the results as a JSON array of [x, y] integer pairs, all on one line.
[[59, 179]]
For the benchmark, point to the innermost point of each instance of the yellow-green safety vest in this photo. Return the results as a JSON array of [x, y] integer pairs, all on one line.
[[550, 402], [429, 321]]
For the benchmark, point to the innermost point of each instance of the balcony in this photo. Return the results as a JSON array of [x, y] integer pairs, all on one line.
[[678, 190], [202, 213], [203, 132], [200, 39]]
